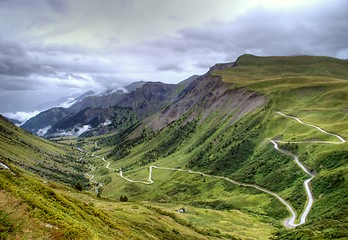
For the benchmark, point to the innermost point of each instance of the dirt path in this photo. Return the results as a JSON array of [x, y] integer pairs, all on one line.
[[308, 205]]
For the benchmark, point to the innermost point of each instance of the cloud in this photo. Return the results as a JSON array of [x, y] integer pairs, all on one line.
[[21, 116], [314, 30], [58, 6], [65, 50]]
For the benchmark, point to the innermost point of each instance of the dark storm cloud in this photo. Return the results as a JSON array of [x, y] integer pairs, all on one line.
[[14, 61], [50, 65]]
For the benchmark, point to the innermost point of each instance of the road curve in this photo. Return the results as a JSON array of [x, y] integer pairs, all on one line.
[[289, 222], [342, 140], [150, 181]]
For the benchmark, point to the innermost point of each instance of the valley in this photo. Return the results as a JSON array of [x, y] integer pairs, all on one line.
[[254, 149]]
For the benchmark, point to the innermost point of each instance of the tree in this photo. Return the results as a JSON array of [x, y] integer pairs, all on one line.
[[78, 186], [99, 191], [123, 199]]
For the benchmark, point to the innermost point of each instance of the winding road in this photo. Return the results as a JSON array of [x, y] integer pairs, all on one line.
[[288, 222], [310, 200], [90, 176]]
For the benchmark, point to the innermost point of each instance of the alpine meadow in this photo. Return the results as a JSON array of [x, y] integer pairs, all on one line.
[[252, 149]]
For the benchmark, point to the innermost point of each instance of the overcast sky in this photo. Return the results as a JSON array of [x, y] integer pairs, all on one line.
[[54, 48]]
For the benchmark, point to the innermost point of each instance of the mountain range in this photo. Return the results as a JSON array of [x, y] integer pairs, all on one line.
[[253, 149], [144, 98]]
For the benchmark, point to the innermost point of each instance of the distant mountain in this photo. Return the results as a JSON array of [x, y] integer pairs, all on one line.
[[65, 101], [133, 86], [97, 101], [189, 80], [94, 121], [143, 99], [149, 99], [42, 122]]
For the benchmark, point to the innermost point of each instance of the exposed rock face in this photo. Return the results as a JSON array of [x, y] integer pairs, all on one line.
[[149, 99], [208, 94], [97, 101]]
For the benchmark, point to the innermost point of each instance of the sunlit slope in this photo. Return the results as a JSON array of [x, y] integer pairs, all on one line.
[[305, 85], [226, 144], [314, 89], [53, 161], [34, 208]]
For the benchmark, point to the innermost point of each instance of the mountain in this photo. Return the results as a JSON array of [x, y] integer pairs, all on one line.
[[149, 99], [36, 205], [42, 122], [205, 95], [94, 121], [254, 149], [64, 101], [240, 138], [145, 100], [135, 85]]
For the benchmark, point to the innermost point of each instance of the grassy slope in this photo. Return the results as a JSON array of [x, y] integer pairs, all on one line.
[[39, 156], [312, 88], [32, 207], [315, 90]]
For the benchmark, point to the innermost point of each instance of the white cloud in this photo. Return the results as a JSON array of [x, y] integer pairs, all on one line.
[[41, 132], [77, 131], [20, 116]]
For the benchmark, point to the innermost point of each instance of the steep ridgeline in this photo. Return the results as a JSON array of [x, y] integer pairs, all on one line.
[[207, 95], [143, 98], [248, 136], [42, 122], [94, 121]]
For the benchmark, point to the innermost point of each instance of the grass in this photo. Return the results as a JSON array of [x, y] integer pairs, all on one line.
[[218, 142], [39, 156], [314, 89]]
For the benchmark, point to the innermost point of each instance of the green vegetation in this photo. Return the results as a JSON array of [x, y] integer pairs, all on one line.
[[312, 88], [230, 143], [53, 161]]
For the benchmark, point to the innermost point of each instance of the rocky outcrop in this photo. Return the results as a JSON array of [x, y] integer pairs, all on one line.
[[206, 95]]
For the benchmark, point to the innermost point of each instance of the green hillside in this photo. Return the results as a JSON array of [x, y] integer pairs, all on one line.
[[209, 152], [237, 146], [32, 207], [52, 161]]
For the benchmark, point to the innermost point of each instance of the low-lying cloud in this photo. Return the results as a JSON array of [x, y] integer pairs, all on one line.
[[20, 116]]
